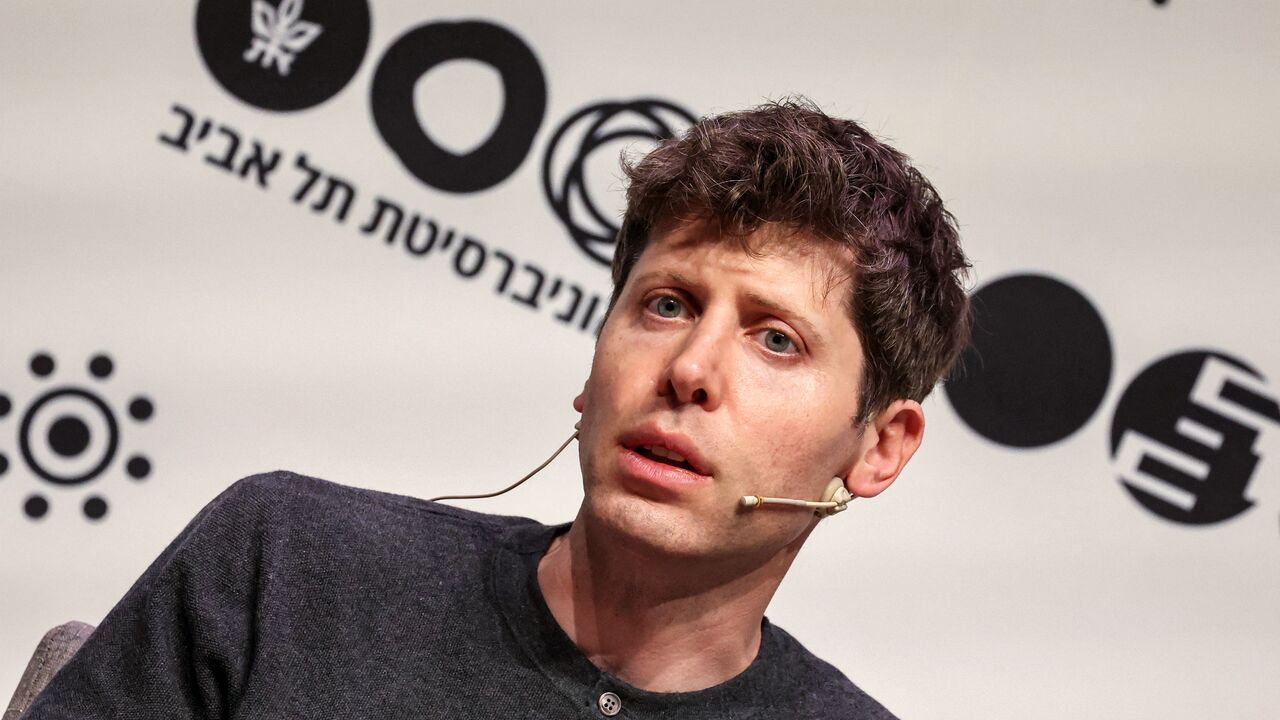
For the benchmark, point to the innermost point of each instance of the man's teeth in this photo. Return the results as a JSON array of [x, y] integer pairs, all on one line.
[[665, 453]]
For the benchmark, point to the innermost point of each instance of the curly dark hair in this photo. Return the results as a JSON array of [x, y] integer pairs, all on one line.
[[788, 164]]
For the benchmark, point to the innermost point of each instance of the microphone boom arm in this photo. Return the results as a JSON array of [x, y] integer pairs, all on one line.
[[834, 499]]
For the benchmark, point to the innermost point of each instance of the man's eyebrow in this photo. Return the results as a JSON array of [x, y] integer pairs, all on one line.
[[670, 276], [786, 313]]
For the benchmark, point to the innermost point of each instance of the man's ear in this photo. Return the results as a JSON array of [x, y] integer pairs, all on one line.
[[888, 441]]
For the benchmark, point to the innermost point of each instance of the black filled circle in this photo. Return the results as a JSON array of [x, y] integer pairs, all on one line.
[[42, 364], [1038, 366], [561, 191], [4, 463], [101, 366], [138, 467], [24, 437], [228, 35], [5, 405], [95, 508], [35, 507], [68, 436], [141, 408], [524, 102]]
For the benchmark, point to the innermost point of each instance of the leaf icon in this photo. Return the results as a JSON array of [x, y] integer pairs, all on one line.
[[264, 18], [290, 11], [300, 35], [280, 34]]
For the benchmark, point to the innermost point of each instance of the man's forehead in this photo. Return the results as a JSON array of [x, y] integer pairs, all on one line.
[[829, 265]]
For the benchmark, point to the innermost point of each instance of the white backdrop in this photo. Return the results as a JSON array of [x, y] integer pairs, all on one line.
[[1126, 147]]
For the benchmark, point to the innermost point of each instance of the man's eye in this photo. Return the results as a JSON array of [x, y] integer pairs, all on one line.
[[777, 341], [666, 306]]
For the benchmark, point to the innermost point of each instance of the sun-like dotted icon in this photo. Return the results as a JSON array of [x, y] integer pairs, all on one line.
[[69, 436]]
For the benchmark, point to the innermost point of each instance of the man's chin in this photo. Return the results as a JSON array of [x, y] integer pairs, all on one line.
[[656, 527]]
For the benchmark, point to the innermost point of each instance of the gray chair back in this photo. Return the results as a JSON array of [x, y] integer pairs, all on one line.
[[55, 649]]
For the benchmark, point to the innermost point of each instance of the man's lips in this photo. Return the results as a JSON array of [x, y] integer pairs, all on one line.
[[667, 448], [656, 479]]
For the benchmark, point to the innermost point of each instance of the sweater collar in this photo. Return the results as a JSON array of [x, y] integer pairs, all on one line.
[[514, 578]]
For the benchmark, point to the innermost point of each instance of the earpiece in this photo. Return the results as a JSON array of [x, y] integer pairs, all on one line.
[[835, 498]]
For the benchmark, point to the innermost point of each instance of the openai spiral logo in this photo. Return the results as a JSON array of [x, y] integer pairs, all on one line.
[[69, 436], [576, 177]]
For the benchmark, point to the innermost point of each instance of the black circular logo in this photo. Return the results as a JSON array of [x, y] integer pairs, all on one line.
[[56, 432], [524, 101], [285, 55], [69, 435], [1038, 366], [1184, 432], [564, 173]]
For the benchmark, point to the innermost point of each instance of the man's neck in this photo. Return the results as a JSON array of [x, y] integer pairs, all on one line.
[[659, 623]]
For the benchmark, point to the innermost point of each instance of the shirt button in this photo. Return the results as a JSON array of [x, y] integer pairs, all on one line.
[[609, 704]]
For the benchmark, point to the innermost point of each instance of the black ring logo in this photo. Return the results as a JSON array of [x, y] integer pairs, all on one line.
[[69, 436], [524, 102], [563, 169]]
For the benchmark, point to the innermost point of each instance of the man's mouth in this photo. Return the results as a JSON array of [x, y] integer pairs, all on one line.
[[664, 455], [667, 448]]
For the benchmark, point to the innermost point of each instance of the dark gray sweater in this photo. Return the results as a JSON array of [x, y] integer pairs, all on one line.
[[292, 597]]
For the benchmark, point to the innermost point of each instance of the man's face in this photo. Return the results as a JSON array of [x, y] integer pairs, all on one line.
[[747, 367]]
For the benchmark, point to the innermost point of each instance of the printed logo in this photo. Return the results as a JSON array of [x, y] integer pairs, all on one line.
[[300, 55], [573, 191], [256, 76], [279, 36], [524, 101], [69, 436], [1184, 433], [1038, 365], [285, 56]]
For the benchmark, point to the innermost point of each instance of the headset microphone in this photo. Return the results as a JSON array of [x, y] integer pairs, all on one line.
[[834, 499]]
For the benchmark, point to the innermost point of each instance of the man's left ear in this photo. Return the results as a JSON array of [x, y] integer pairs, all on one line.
[[889, 440]]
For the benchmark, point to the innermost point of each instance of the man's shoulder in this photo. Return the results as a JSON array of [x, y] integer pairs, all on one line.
[[323, 508], [818, 686]]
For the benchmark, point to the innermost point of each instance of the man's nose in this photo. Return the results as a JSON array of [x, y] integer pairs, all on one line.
[[695, 374]]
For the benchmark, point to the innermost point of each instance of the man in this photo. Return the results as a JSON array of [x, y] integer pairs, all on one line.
[[786, 293]]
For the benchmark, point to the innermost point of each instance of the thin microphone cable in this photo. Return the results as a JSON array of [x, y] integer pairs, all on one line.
[[517, 483], [834, 500]]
